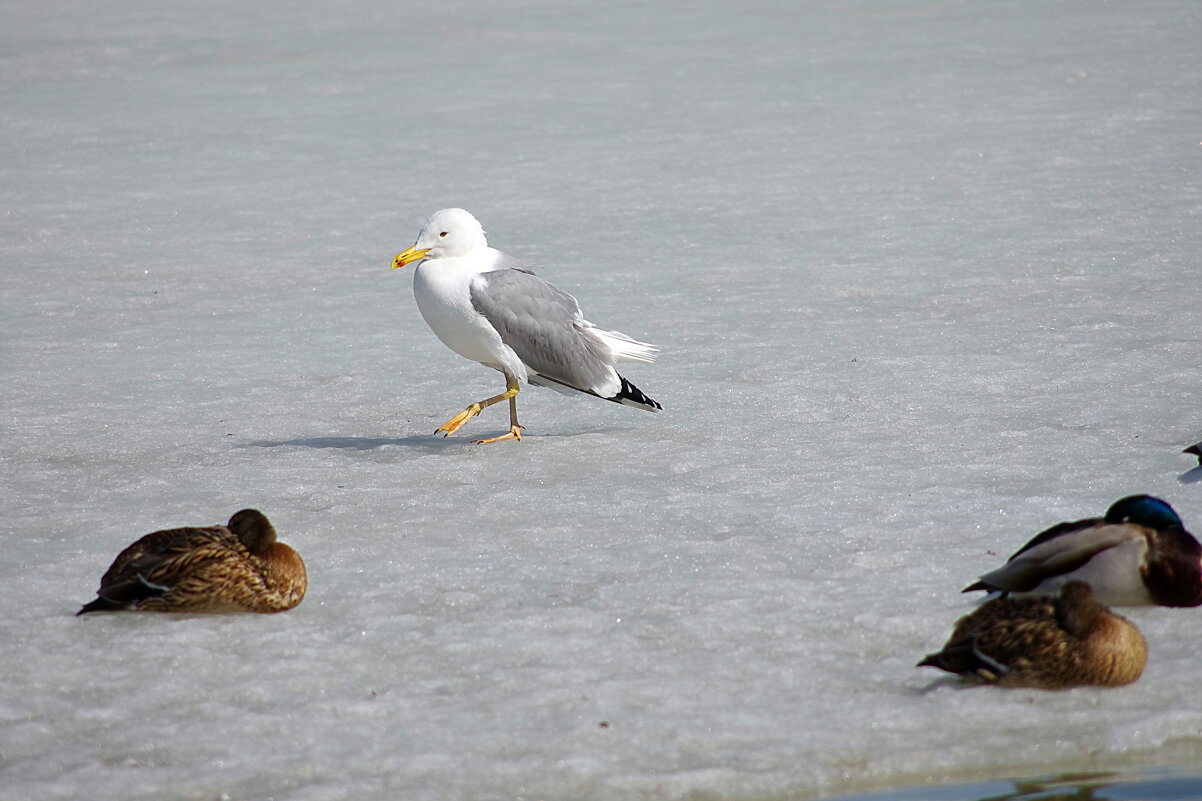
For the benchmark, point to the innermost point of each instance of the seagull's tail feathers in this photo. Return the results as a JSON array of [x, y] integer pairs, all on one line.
[[623, 348], [630, 395], [627, 395]]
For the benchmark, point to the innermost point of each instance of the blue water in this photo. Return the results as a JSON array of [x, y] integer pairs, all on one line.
[[1146, 785]]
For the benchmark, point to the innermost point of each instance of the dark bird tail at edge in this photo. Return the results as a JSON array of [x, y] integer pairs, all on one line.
[[630, 395], [965, 659], [100, 605], [123, 594]]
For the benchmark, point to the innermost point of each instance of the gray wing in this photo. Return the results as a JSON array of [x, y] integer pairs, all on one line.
[[542, 324], [1055, 556]]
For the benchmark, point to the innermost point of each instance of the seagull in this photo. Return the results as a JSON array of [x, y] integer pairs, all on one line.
[[494, 310], [1044, 643], [1139, 553]]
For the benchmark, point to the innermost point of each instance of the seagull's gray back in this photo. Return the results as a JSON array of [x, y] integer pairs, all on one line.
[[544, 326]]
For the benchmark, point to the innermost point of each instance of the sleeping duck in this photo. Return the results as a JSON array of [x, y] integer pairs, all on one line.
[[1044, 643], [238, 567], [1139, 553]]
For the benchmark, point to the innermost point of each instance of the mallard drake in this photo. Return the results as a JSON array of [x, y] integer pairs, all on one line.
[[238, 567], [1044, 643], [1139, 553], [1195, 450]]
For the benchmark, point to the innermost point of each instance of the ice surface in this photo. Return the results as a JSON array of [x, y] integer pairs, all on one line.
[[925, 277]]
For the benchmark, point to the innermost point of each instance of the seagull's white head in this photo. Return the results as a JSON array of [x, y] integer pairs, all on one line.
[[449, 233]]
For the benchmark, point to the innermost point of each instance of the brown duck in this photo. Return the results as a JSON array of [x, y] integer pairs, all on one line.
[[239, 567], [1049, 643]]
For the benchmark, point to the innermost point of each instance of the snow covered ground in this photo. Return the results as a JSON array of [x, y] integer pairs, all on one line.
[[925, 277]]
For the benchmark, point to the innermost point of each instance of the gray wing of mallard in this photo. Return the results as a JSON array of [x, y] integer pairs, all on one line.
[[544, 327], [1055, 556], [1059, 530]]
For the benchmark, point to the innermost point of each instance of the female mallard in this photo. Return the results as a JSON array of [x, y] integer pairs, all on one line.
[[1045, 643], [1139, 553], [234, 568]]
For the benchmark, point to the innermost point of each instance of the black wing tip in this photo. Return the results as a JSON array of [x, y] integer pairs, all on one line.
[[630, 395]]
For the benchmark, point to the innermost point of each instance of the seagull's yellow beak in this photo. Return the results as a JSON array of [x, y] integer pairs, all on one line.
[[410, 255]]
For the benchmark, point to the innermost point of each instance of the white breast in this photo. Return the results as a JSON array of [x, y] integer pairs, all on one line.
[[1114, 575], [442, 288]]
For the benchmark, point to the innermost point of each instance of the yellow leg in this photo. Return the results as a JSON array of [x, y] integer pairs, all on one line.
[[510, 393], [514, 428]]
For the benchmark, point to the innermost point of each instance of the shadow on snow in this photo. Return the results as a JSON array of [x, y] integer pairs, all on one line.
[[427, 442]]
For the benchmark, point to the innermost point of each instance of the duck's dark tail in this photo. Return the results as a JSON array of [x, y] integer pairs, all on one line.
[[964, 658], [100, 605], [123, 594]]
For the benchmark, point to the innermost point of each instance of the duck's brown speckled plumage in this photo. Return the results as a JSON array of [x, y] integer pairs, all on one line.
[[234, 568], [1045, 643]]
